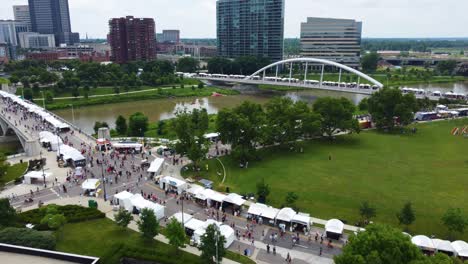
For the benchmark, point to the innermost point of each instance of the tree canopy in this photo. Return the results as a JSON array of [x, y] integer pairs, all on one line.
[[175, 233], [7, 213], [212, 244], [406, 215], [187, 64], [369, 62], [121, 125], [454, 220], [137, 124], [148, 224], [336, 114]]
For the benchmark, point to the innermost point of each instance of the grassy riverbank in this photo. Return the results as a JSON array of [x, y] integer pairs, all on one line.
[[4, 81], [427, 169], [143, 95]]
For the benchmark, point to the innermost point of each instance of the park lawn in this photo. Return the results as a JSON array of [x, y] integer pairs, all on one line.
[[428, 169], [4, 81], [102, 238], [13, 172]]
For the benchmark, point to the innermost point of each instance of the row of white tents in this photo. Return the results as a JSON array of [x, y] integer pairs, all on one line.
[[129, 202], [46, 137], [71, 155], [198, 228], [57, 124], [457, 248]]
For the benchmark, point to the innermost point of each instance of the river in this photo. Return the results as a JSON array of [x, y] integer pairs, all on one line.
[[160, 109]]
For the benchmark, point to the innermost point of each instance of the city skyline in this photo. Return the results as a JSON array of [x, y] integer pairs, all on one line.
[[197, 19]]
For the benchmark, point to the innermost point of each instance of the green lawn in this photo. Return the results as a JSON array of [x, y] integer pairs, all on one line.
[[13, 172], [428, 169], [3, 80]]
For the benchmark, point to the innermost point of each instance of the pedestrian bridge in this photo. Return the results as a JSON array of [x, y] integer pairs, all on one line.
[[261, 77]]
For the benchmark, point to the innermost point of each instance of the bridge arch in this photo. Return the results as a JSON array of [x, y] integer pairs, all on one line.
[[315, 61]]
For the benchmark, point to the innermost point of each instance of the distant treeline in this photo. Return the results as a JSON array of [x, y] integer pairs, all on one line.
[[421, 45]]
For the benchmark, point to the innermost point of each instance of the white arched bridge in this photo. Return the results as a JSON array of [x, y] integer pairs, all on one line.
[[261, 77]]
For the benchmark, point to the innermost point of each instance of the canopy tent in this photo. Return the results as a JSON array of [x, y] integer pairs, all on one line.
[[141, 203], [302, 219], [443, 245], [262, 210], [47, 138], [127, 146], [124, 200], [156, 166], [286, 215], [235, 199], [334, 228], [90, 184], [168, 183], [228, 234], [36, 175], [461, 248], [178, 217], [71, 154], [195, 189], [214, 195], [423, 242], [193, 224]]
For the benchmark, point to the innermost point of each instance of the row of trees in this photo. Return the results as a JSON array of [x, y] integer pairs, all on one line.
[[136, 126], [243, 65]]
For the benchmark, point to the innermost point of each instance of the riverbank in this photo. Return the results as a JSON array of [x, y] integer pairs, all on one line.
[[154, 93]]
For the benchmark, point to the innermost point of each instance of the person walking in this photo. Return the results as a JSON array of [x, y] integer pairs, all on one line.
[[320, 252], [274, 250], [268, 248]]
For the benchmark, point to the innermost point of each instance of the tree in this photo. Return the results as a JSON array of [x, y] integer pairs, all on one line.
[[379, 244], [49, 97], [366, 210], [99, 124], [28, 94], [137, 124], [212, 245], [175, 233], [406, 215], [123, 218], [148, 224], [454, 220], [7, 213], [389, 107], [446, 67], [52, 217], [190, 129], [28, 238], [290, 199], [187, 64], [336, 114], [364, 104], [121, 125], [263, 190], [369, 62]]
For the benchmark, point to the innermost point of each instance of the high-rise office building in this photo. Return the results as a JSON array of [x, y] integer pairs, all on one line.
[[21, 13], [132, 39], [250, 28], [338, 40], [33, 40], [9, 30], [172, 36], [53, 17]]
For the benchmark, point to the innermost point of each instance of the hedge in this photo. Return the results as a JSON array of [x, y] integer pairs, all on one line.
[[28, 238]]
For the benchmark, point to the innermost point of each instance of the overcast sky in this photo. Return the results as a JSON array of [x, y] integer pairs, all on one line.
[[197, 18]]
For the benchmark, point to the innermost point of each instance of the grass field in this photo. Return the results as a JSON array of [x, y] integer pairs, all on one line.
[[428, 169], [13, 172]]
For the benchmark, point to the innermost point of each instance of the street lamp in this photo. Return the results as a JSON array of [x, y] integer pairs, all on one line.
[[43, 99], [43, 173], [73, 114], [102, 176]]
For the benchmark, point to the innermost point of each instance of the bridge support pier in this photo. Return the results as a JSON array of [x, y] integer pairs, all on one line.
[[4, 127], [31, 147]]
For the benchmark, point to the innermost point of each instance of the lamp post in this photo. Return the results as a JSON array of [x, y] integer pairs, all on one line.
[[102, 176], [73, 114], [43, 173], [43, 99]]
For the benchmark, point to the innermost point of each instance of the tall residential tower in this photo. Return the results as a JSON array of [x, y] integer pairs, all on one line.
[[21, 13], [250, 28], [53, 17], [132, 39], [338, 40]]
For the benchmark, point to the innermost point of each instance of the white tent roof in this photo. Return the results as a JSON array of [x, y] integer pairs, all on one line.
[[423, 242], [46, 136], [263, 210], [213, 195], [194, 189], [443, 245], [127, 145], [211, 135], [139, 202], [156, 165], [37, 175], [334, 226], [234, 198], [301, 218], [194, 224], [173, 181], [178, 217], [461, 247], [91, 184], [123, 195], [286, 214], [70, 153], [228, 234]]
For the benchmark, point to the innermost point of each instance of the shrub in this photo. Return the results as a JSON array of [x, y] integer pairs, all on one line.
[[28, 238]]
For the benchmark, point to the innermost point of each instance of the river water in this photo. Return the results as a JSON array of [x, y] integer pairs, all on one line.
[[160, 109]]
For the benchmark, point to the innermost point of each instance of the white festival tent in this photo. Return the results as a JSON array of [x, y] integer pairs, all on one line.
[[302, 219], [423, 242], [35, 175], [90, 184], [141, 203], [179, 185], [178, 217], [53, 140], [286, 215], [195, 189], [70, 153], [194, 224], [225, 231], [263, 210], [443, 245], [234, 198], [156, 166], [124, 200], [334, 226], [213, 196], [228, 234], [461, 248]]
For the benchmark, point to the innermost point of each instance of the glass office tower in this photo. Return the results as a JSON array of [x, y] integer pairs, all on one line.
[[250, 28]]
